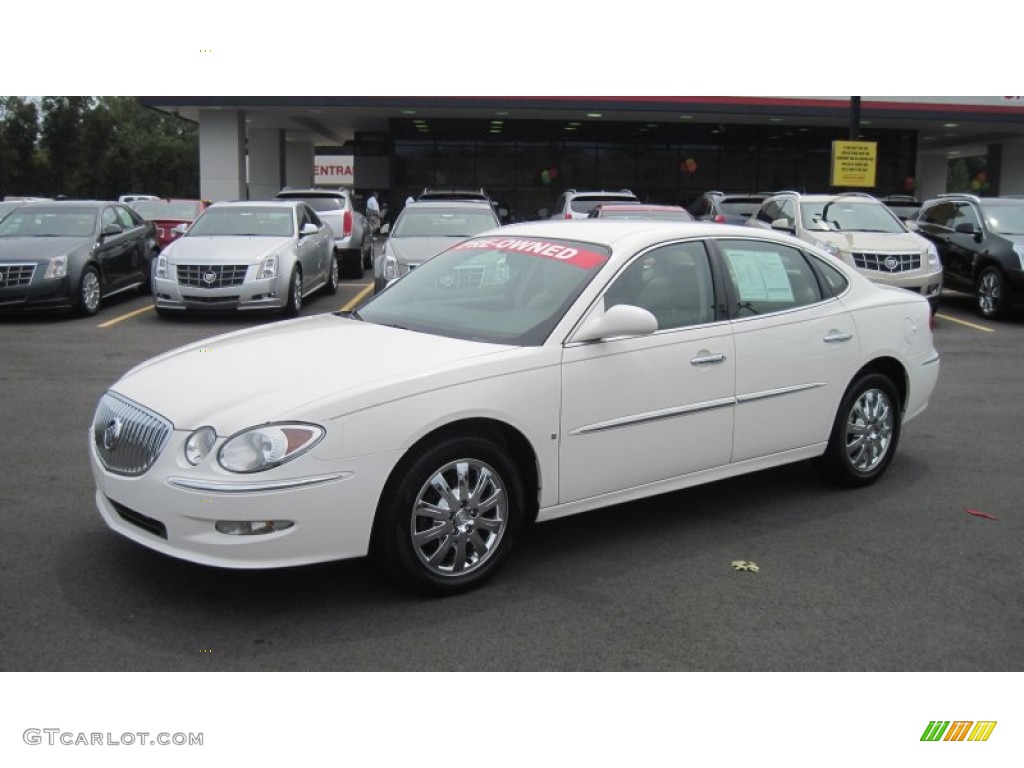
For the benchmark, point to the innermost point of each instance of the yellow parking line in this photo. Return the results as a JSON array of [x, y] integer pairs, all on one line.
[[358, 297], [964, 322], [117, 320]]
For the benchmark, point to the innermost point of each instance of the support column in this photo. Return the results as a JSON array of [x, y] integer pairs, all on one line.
[[298, 164], [222, 154], [265, 163]]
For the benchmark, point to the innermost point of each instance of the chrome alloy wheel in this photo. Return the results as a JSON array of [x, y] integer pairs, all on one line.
[[90, 291], [869, 430], [459, 517], [989, 293]]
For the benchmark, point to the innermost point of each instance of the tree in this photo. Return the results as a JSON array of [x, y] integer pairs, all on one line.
[[61, 140], [19, 130]]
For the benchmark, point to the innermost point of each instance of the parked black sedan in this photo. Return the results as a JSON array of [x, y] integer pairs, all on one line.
[[71, 254]]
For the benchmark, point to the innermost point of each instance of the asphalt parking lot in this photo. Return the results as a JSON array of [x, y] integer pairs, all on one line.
[[898, 576]]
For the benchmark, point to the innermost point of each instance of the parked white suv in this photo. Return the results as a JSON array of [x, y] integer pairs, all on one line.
[[578, 205], [860, 230], [335, 207]]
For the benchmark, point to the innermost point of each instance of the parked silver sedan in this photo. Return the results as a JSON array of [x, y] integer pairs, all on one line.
[[247, 255]]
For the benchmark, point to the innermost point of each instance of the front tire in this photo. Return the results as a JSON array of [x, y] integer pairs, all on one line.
[[449, 516], [294, 305], [865, 433], [90, 292], [990, 293]]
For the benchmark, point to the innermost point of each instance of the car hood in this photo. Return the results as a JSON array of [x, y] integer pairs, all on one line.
[[223, 250], [1015, 239], [416, 250], [879, 242], [317, 367], [38, 248]]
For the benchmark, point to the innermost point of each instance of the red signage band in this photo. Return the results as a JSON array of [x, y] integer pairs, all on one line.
[[577, 257]]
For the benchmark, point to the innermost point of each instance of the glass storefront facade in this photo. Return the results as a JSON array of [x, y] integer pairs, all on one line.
[[526, 164]]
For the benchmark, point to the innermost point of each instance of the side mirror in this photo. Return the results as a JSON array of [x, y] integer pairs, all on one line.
[[784, 224], [309, 228], [968, 229], [620, 320]]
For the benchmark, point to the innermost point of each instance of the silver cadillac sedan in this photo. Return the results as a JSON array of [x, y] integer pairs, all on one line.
[[247, 255]]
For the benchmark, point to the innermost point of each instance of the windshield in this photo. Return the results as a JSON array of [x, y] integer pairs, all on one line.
[[178, 210], [48, 222], [498, 290], [849, 216], [444, 222], [243, 222], [319, 203], [1005, 219], [740, 207]]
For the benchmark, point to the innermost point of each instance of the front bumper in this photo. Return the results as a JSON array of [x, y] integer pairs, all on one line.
[[269, 293], [38, 294], [331, 505]]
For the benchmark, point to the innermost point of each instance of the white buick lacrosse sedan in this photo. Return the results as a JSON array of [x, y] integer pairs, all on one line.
[[532, 372]]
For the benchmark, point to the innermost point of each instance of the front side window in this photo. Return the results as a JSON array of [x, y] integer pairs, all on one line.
[[769, 212], [965, 214], [125, 218], [672, 282], [110, 218], [940, 214], [768, 277]]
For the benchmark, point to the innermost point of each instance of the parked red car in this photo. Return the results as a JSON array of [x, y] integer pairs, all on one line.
[[169, 216]]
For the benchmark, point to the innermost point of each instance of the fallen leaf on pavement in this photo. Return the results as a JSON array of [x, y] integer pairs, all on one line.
[[978, 513], [743, 565]]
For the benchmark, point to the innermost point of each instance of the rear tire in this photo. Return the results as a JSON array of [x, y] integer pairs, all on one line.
[[865, 433]]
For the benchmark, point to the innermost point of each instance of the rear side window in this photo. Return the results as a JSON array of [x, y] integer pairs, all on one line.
[[834, 279], [768, 277]]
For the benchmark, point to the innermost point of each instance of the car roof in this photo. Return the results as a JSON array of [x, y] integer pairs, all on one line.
[[69, 203], [626, 206], [256, 204], [482, 205], [313, 193]]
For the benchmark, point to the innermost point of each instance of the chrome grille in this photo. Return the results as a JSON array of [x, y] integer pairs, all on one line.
[[887, 262], [16, 275], [128, 437], [211, 275]]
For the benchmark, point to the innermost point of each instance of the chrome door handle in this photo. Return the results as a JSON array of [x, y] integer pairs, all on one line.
[[833, 336], [707, 359]]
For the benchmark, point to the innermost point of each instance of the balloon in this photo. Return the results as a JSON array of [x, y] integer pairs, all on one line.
[[981, 176], [909, 184], [975, 185], [545, 176], [691, 165], [553, 173]]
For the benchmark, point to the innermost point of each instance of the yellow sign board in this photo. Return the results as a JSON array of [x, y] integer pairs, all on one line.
[[854, 163]]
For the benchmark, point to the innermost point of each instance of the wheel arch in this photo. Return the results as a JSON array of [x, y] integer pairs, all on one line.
[[893, 370], [504, 434]]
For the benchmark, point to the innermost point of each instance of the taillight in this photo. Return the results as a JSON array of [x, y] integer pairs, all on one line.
[[568, 215], [720, 219], [346, 224]]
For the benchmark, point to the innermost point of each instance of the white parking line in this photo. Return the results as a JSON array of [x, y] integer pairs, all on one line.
[[964, 322], [125, 316]]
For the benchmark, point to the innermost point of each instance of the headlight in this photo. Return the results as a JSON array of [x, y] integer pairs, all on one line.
[[161, 266], [268, 268], [260, 448], [933, 256], [58, 267], [389, 267], [828, 248], [199, 444], [1019, 250]]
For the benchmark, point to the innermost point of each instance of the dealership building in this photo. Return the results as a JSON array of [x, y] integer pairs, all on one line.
[[666, 149]]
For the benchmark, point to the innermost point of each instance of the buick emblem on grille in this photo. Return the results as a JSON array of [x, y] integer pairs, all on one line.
[[112, 433], [891, 263], [210, 278]]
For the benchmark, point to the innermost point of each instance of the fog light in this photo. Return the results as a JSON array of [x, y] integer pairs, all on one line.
[[252, 527]]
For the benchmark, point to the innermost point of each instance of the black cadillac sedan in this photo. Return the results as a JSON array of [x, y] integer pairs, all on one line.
[[71, 254]]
